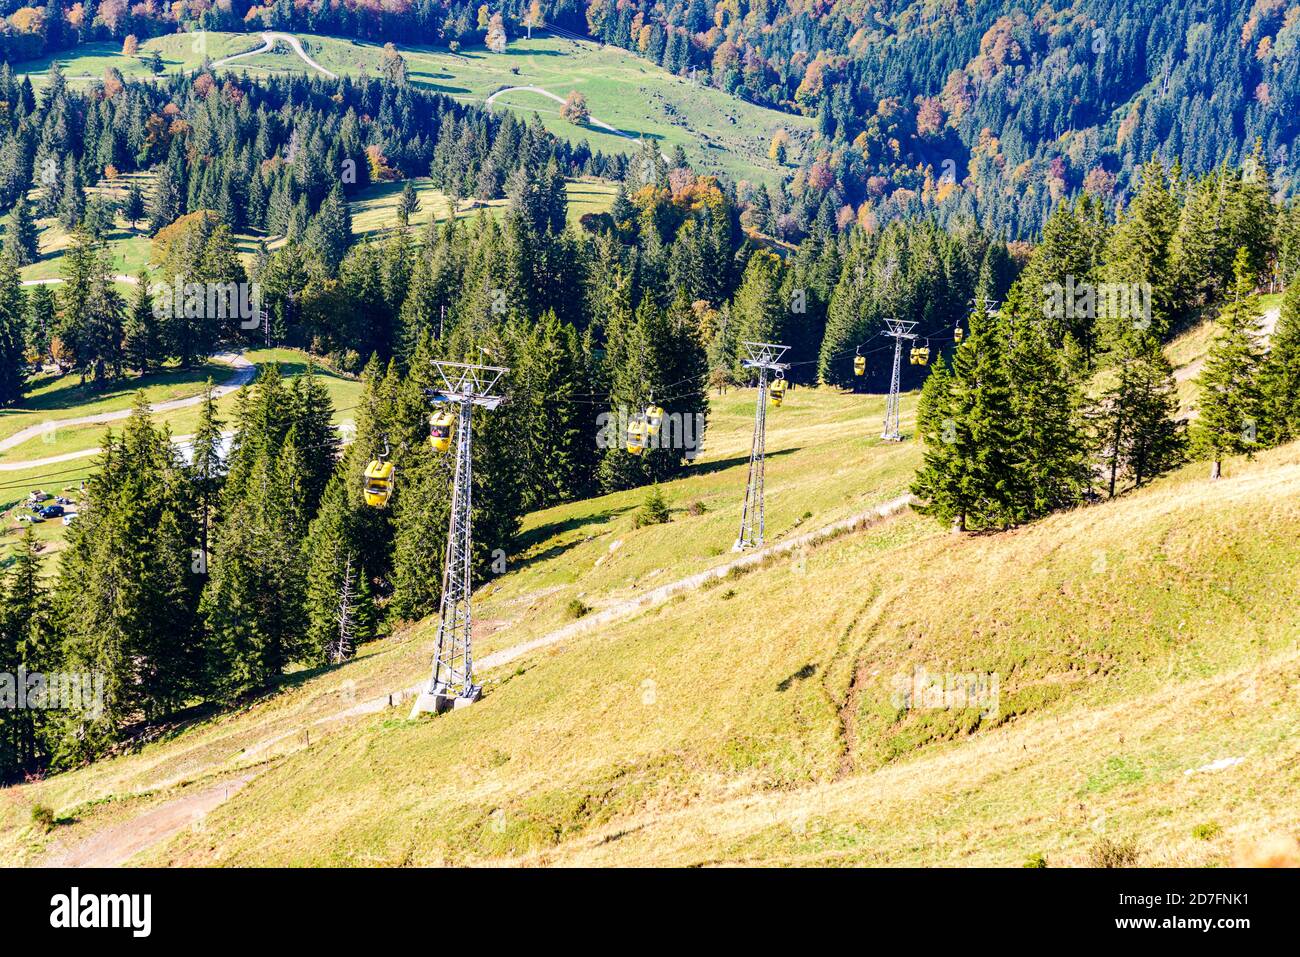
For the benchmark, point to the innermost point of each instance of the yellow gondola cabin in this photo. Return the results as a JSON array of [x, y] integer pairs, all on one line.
[[638, 434], [859, 365], [380, 476], [778, 391], [440, 430]]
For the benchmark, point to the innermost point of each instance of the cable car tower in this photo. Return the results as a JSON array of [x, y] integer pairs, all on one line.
[[900, 329], [452, 682], [763, 356]]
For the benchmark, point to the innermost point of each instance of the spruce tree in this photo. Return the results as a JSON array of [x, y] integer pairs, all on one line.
[[1047, 400], [976, 482], [1229, 401], [21, 238], [335, 619], [1138, 260], [1280, 374], [408, 204], [207, 469], [938, 482], [72, 204], [330, 233], [759, 310], [140, 345], [1136, 435], [42, 317], [128, 584], [13, 328], [420, 541], [28, 641], [133, 207]]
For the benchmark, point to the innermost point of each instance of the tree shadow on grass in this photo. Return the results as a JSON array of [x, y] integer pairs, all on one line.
[[708, 468], [540, 534]]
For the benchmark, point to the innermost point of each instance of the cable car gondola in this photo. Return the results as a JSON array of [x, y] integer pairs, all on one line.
[[440, 430], [859, 365], [921, 354], [642, 427], [958, 333], [778, 391], [379, 480]]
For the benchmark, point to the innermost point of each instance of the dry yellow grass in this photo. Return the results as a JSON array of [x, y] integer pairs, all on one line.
[[1143, 647]]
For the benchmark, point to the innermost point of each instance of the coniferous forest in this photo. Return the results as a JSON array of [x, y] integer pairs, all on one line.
[[195, 581], [993, 109]]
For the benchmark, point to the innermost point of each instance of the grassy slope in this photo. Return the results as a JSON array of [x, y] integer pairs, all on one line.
[[374, 210], [1135, 642], [752, 721], [88, 62], [828, 462], [719, 133], [1188, 351], [63, 397]]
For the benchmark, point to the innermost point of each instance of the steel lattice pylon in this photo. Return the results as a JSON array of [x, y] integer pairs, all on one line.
[[452, 681], [763, 356], [900, 330]]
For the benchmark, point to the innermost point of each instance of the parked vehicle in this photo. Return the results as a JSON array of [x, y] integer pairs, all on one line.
[[51, 511]]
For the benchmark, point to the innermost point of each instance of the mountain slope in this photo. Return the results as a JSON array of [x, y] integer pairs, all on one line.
[[757, 720], [1174, 606]]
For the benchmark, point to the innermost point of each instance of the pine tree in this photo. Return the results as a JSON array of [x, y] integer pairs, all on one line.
[[420, 542], [28, 641], [140, 345], [72, 204], [133, 208], [1280, 374], [1229, 393], [1137, 437], [975, 483], [335, 619], [13, 323], [21, 238]]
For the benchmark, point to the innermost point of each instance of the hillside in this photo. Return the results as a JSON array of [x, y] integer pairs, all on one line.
[[629, 98], [52, 440], [1135, 642], [993, 108]]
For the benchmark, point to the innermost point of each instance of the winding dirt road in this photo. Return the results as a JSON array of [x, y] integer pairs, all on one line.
[[558, 99], [268, 44], [55, 280], [1267, 323], [243, 373]]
